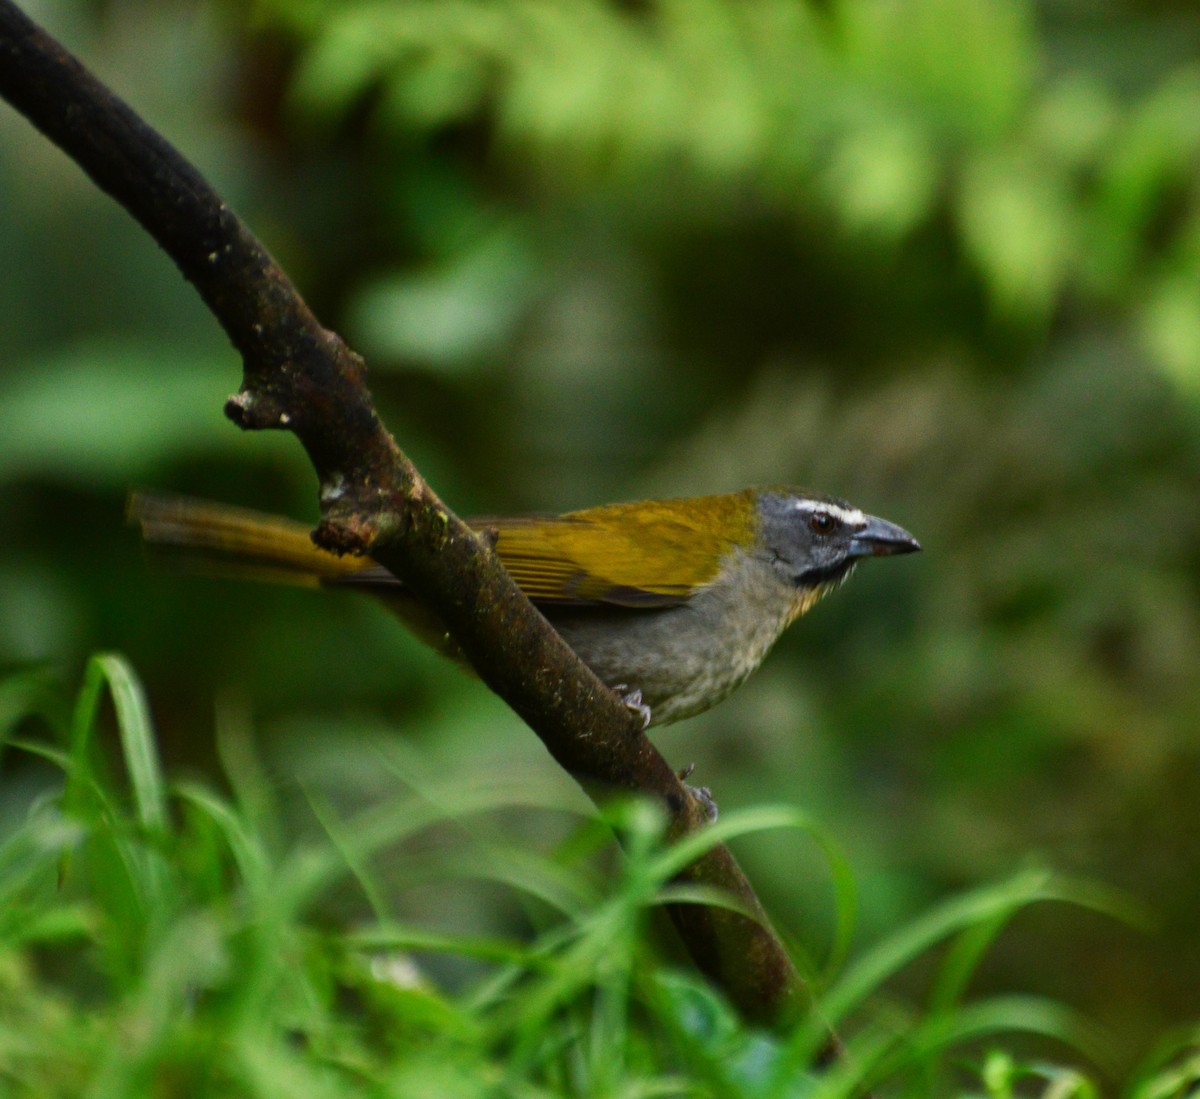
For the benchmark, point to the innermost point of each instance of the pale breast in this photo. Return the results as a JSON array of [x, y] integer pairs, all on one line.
[[687, 658]]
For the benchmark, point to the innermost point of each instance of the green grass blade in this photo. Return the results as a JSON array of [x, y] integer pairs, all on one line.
[[25, 695], [969, 910], [1172, 1069], [248, 855], [84, 767], [392, 936], [769, 818], [136, 731], [1001, 1015]]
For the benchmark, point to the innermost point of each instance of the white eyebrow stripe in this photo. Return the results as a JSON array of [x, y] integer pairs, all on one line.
[[850, 516]]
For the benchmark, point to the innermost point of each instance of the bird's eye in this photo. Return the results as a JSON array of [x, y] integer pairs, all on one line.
[[822, 522]]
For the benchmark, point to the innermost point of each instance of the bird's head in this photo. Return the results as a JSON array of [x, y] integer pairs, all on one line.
[[815, 541]]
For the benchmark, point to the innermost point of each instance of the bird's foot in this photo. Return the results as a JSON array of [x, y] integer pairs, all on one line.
[[701, 793], [633, 701]]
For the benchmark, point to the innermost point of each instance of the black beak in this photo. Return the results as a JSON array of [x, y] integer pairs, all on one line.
[[879, 538]]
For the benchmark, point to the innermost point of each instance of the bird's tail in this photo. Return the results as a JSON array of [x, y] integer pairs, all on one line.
[[232, 541]]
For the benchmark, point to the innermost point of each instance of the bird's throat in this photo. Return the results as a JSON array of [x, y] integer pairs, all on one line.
[[807, 598]]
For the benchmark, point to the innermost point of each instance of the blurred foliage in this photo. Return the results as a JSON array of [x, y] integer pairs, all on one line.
[[161, 939], [940, 257]]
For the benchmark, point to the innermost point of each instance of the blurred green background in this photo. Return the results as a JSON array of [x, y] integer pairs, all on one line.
[[940, 257]]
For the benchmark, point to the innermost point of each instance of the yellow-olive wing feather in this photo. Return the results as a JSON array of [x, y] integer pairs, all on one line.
[[648, 554]]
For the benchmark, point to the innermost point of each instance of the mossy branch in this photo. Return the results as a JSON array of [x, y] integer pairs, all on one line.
[[301, 377]]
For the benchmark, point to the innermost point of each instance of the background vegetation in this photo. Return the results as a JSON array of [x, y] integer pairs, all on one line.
[[940, 257]]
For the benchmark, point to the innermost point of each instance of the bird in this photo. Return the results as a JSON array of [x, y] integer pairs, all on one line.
[[671, 603]]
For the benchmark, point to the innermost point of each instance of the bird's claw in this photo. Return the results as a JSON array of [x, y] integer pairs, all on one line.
[[633, 701], [701, 793]]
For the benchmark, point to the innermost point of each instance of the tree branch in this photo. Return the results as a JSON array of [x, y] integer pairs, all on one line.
[[300, 377]]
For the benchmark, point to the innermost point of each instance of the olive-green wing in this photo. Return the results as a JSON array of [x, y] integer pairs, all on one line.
[[649, 554]]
